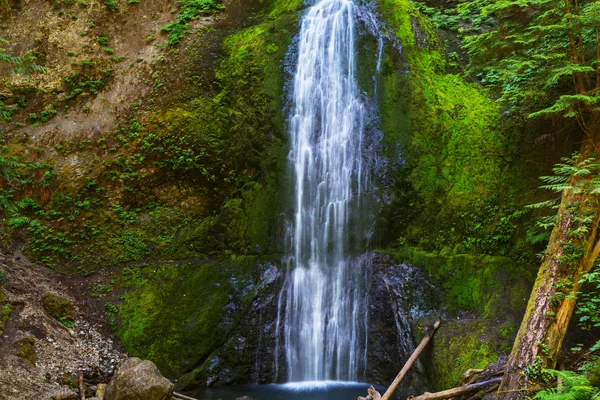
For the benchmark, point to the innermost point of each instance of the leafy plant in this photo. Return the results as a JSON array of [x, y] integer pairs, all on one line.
[[189, 10], [3, 277], [69, 323], [569, 386], [20, 64], [102, 39]]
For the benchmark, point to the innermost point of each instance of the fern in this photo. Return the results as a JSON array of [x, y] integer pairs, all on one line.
[[20, 64], [570, 386]]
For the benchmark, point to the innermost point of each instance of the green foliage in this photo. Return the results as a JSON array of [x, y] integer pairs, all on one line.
[[18, 222], [541, 56], [570, 386], [188, 10], [87, 80], [20, 64], [451, 191], [66, 322], [111, 5], [23, 65], [462, 17], [574, 174], [3, 277], [102, 40]]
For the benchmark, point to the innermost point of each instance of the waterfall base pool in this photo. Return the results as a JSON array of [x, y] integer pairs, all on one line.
[[316, 390]]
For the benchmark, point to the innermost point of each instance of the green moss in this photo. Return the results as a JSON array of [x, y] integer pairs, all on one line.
[[460, 345], [451, 188], [129, 245], [26, 349], [485, 284], [5, 310], [59, 307], [173, 314], [474, 291]]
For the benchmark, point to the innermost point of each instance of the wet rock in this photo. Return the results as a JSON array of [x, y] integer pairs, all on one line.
[[136, 379]]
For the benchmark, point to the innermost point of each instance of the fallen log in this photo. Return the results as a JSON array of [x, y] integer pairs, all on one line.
[[446, 394], [392, 388], [182, 396]]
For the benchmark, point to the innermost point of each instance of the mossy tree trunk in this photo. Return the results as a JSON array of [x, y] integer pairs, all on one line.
[[571, 252]]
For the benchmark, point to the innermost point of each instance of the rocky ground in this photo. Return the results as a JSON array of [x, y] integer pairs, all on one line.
[[46, 337]]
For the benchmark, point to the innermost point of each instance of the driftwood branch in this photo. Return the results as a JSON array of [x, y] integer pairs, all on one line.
[[446, 394], [81, 386], [182, 396], [392, 388]]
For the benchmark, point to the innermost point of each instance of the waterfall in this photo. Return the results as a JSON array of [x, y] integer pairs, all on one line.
[[323, 307]]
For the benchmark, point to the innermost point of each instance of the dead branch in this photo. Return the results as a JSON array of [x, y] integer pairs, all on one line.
[[446, 394]]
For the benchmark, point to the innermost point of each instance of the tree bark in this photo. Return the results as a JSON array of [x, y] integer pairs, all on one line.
[[552, 299]]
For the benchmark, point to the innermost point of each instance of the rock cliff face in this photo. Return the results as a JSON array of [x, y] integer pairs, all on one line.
[[147, 166], [400, 297]]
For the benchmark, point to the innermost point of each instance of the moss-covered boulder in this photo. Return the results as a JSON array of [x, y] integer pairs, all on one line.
[[5, 310], [59, 307], [137, 379], [26, 349], [482, 300], [463, 344]]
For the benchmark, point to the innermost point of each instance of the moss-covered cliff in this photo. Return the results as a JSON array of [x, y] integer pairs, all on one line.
[[463, 172], [153, 149], [190, 167]]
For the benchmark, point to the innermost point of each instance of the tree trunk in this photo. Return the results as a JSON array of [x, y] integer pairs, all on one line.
[[568, 256]]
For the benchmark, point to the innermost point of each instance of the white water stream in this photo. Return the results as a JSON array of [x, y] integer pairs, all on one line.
[[322, 307]]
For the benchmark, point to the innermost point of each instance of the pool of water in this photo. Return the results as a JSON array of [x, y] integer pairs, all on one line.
[[319, 390]]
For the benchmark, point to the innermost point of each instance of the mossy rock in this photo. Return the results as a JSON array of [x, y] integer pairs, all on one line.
[[59, 307], [198, 297], [459, 345], [486, 285], [5, 310], [196, 378], [26, 349]]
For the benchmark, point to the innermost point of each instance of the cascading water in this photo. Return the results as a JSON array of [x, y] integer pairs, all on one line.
[[323, 304]]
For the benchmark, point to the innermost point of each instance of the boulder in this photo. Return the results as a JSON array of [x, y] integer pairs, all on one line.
[[136, 379], [59, 307]]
